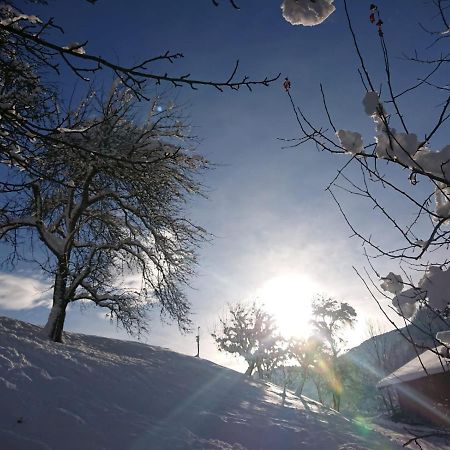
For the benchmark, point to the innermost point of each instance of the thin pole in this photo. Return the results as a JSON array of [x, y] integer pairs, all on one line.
[[197, 338]]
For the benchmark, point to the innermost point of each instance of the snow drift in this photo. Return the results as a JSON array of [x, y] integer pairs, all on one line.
[[93, 393]]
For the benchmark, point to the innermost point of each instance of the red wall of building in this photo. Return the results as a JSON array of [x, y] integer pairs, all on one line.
[[427, 398]]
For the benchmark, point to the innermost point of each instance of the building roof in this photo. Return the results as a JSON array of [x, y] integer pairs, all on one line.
[[414, 370]]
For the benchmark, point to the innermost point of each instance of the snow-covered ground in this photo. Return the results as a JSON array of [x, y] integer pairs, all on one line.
[[403, 433], [93, 393]]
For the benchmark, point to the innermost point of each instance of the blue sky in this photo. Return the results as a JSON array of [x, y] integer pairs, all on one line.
[[267, 207]]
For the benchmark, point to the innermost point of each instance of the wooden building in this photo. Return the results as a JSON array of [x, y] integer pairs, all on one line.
[[420, 390]]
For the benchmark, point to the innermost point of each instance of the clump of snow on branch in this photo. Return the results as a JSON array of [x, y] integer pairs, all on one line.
[[435, 283], [390, 144], [444, 337], [72, 130], [442, 196], [307, 12], [433, 286], [392, 283], [403, 148], [351, 141], [75, 47], [435, 163], [405, 303], [396, 146], [406, 149], [13, 16], [371, 102], [422, 243]]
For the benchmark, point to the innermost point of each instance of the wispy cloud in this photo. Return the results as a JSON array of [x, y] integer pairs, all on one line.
[[22, 292]]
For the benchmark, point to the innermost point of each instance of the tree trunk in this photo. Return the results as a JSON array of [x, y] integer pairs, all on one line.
[[336, 401], [299, 389], [260, 371], [55, 323], [251, 366], [305, 375], [283, 395], [319, 391]]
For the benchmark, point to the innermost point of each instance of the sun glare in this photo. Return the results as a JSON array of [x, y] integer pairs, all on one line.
[[288, 298]]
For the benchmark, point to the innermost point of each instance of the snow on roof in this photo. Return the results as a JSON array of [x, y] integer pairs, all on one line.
[[414, 370]]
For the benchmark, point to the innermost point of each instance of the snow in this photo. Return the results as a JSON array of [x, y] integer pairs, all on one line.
[[435, 282], [72, 130], [400, 432], [435, 163], [397, 146], [413, 370], [441, 196], [16, 18], [421, 243], [406, 149], [350, 141], [75, 47], [392, 283], [371, 103], [94, 393], [391, 145], [405, 302], [53, 241], [433, 286], [444, 337], [307, 12]]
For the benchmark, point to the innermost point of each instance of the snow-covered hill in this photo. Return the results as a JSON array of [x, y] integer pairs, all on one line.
[[93, 393]]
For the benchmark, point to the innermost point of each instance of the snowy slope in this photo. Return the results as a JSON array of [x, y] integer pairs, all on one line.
[[93, 393]]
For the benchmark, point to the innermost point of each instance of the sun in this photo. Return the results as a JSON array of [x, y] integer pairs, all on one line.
[[288, 298]]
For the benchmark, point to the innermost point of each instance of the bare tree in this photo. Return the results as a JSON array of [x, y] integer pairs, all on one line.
[[287, 375], [275, 356], [31, 59], [30, 62], [330, 318], [250, 332], [101, 190], [35, 36], [381, 347], [114, 212], [400, 165], [397, 165], [304, 352]]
